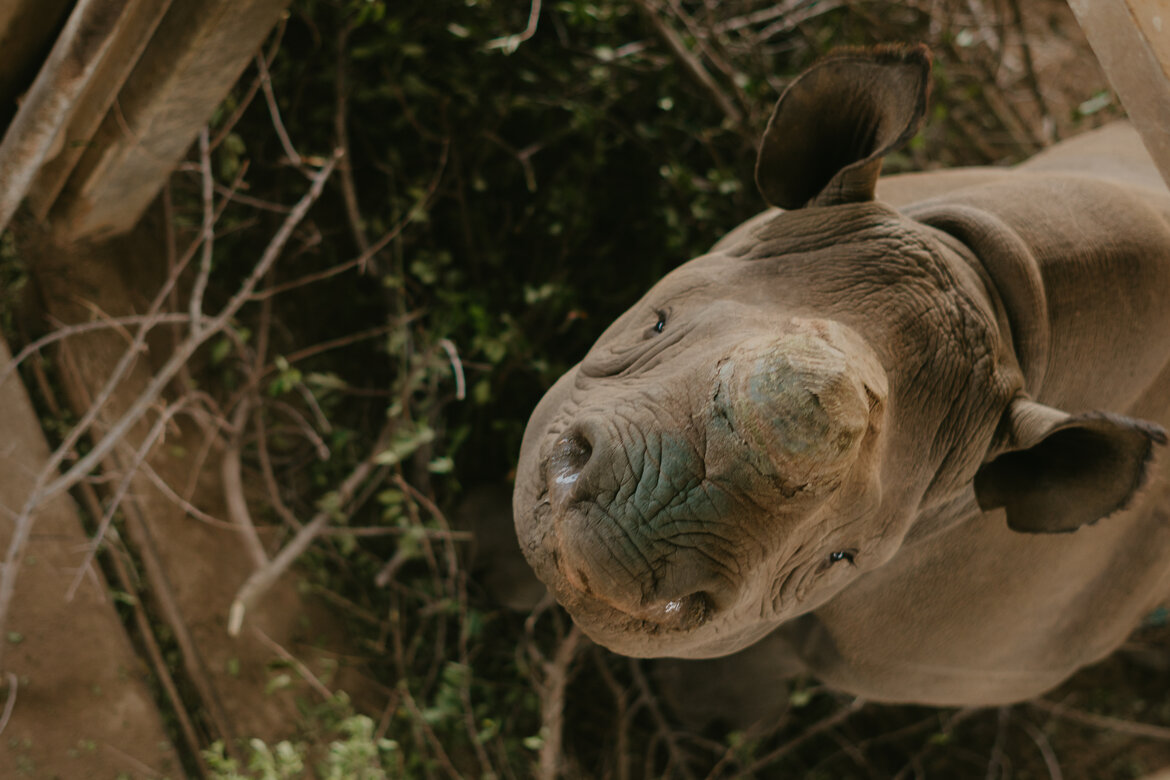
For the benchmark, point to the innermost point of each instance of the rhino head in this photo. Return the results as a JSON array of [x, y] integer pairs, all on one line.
[[773, 419]]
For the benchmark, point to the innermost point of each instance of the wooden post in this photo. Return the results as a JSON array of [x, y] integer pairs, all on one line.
[[197, 53], [64, 77], [26, 29], [1131, 39], [118, 103], [138, 21]]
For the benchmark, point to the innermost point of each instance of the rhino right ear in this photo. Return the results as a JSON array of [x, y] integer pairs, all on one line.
[[825, 141], [1062, 471]]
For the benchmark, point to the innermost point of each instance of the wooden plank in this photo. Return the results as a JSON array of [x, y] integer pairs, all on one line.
[[82, 705], [197, 53], [1131, 39], [135, 28], [30, 138], [27, 28]]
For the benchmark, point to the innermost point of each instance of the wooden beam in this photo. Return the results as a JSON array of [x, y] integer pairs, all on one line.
[[135, 28], [27, 29], [198, 52], [45, 110], [1131, 39]]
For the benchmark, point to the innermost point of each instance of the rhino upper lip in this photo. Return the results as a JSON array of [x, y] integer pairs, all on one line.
[[675, 615]]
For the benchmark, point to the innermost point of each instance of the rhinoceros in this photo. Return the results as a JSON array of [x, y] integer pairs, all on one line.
[[912, 427]]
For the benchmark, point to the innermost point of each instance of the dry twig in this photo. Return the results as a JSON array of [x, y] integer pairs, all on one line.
[[9, 700], [231, 473], [208, 233], [80, 328], [691, 64], [277, 124], [1045, 748], [830, 722], [148, 442], [552, 703], [510, 43], [664, 729], [1107, 722], [304, 671], [262, 579]]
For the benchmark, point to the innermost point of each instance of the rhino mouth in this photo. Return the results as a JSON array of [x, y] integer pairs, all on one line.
[[571, 584], [679, 615]]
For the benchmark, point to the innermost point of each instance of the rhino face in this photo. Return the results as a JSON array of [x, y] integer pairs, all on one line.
[[713, 467], [704, 473]]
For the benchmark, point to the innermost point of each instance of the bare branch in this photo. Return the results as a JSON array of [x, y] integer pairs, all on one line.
[[830, 722], [306, 428], [233, 487], [1045, 748], [148, 442], [353, 211], [195, 305], [274, 111], [456, 366], [236, 115], [691, 64], [9, 700], [269, 476], [85, 327], [304, 671], [375, 248], [510, 43], [1107, 722], [552, 703], [262, 579]]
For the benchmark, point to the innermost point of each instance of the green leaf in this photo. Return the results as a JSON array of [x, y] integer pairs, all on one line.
[[405, 444]]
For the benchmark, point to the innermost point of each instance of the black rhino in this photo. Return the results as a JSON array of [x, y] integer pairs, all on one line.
[[910, 428]]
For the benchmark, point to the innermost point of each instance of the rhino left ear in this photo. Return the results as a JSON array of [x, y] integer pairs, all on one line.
[[1063, 471], [828, 133]]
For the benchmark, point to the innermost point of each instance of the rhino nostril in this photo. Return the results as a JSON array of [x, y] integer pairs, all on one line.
[[684, 613], [568, 458]]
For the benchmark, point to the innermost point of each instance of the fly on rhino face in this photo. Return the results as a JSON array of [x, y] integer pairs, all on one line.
[[858, 422]]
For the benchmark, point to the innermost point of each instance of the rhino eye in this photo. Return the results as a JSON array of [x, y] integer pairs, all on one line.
[[661, 324], [840, 556]]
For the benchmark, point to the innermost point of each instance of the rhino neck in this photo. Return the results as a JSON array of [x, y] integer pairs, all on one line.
[[1011, 273], [1095, 266]]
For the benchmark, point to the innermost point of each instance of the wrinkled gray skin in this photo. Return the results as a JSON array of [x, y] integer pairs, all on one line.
[[910, 435]]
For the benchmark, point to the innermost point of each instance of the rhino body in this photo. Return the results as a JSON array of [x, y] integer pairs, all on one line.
[[909, 430]]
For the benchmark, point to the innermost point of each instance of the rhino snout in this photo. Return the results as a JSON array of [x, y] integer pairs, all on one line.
[[680, 595], [609, 545]]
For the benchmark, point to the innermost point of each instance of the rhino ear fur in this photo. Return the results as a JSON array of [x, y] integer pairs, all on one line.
[[830, 129], [1060, 471]]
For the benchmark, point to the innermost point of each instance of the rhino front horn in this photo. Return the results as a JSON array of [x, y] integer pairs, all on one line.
[[806, 399]]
